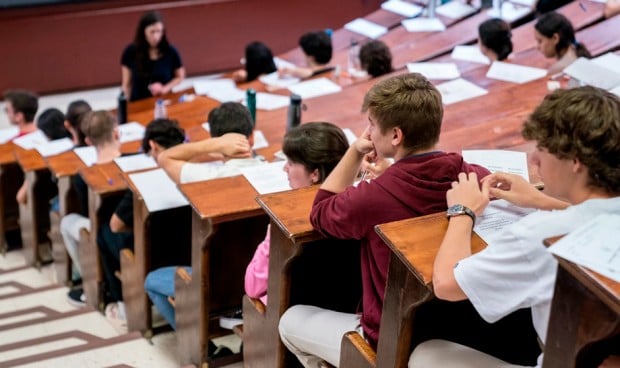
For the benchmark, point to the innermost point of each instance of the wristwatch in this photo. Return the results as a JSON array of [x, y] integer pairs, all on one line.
[[458, 210]]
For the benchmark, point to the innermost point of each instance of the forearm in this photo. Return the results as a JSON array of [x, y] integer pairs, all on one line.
[[178, 78], [456, 246], [345, 172], [173, 159], [549, 203]]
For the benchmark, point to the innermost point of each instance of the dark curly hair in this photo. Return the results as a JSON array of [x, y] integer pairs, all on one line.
[[317, 44], [164, 132], [581, 124], [376, 58]]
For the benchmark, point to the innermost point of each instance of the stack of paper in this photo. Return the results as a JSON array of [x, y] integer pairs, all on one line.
[[157, 190], [459, 90], [435, 70], [366, 28], [514, 73], [268, 178], [455, 10], [87, 154], [315, 87], [403, 8], [8, 133], [31, 140], [513, 162], [498, 215], [510, 12], [593, 73], [55, 147], [470, 53], [132, 131], [423, 25], [222, 90], [137, 162]]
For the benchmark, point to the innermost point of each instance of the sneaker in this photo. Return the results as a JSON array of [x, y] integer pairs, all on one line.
[[76, 297], [115, 314]]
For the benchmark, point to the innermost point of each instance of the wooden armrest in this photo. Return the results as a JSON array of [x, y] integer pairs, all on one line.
[[356, 352]]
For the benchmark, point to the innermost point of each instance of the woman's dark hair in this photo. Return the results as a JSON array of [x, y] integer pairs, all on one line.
[[318, 45], [551, 23], [495, 35], [164, 132], [376, 58], [317, 146], [52, 123], [75, 112], [258, 60], [142, 45]]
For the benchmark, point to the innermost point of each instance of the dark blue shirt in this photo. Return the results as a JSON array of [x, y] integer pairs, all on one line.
[[160, 70]]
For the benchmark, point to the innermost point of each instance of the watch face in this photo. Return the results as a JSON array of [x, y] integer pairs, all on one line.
[[456, 209]]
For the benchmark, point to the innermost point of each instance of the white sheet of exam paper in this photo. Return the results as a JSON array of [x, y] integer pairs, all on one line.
[[609, 60], [141, 161], [366, 28], [54, 147], [403, 8], [87, 154], [595, 245], [526, 2], [435, 70], [158, 191], [514, 73], [227, 94], [275, 80], [423, 25], [510, 12], [315, 87], [206, 86], [281, 63], [496, 217], [455, 10], [459, 90], [351, 137], [8, 133], [593, 74], [270, 101], [259, 140], [513, 162], [469, 53], [615, 91], [132, 131], [268, 178], [31, 140]]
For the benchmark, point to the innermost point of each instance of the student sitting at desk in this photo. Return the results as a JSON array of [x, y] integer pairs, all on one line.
[[100, 130], [576, 133], [404, 114], [232, 132], [556, 39], [494, 39], [21, 106], [75, 112], [258, 60], [376, 58], [312, 151], [317, 47]]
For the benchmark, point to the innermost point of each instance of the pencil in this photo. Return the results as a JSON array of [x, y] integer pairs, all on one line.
[[105, 175]]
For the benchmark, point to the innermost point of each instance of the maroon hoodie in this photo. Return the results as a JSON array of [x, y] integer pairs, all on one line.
[[413, 186]]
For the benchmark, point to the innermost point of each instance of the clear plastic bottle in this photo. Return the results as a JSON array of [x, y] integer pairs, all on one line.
[[354, 58], [160, 110]]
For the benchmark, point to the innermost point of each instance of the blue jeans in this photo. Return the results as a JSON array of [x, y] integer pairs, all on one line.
[[159, 285]]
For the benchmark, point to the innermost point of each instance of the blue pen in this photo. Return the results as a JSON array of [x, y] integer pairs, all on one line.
[[108, 179]]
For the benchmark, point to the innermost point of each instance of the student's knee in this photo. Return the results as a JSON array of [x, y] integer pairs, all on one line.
[[290, 320]]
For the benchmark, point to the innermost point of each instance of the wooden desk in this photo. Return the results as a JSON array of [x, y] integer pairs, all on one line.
[[585, 310], [304, 268], [11, 178]]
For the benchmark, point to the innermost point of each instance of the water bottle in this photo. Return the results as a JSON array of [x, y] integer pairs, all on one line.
[[160, 109], [251, 102], [121, 108], [293, 117], [432, 4], [354, 58]]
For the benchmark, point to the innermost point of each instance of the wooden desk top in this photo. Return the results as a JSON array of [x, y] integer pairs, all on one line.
[[416, 242], [6, 153], [65, 164], [104, 178], [148, 104], [601, 37], [188, 113], [29, 160]]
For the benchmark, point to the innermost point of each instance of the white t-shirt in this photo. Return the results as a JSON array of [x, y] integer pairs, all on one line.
[[516, 271], [192, 171]]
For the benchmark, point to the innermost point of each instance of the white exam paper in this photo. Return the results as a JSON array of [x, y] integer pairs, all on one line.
[[514, 73], [609, 60], [351, 137], [137, 162], [270, 101], [403, 8], [158, 191], [510, 12], [496, 217], [268, 178], [275, 80], [455, 10], [423, 25], [8, 133], [459, 90], [206, 86], [615, 91], [132, 131], [54, 147], [593, 74], [513, 162], [315, 87], [469, 53], [259, 140], [87, 154], [31, 140], [366, 28], [435, 70], [595, 245]]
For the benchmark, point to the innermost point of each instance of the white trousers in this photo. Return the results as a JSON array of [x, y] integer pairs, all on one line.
[[314, 334], [70, 227], [447, 354]]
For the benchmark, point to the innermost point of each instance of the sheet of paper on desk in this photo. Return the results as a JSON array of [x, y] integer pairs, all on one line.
[[514, 73], [206, 86], [132, 131], [455, 10], [528, 3], [609, 60], [268, 178], [31, 140], [55, 147], [403, 8], [423, 25], [593, 74], [259, 140], [615, 91], [8, 133], [514, 162], [158, 190], [351, 137], [137, 162], [469, 53], [459, 90], [496, 217], [275, 80], [87, 154], [595, 245], [315, 87], [435, 70], [366, 28], [510, 12], [270, 101], [281, 63]]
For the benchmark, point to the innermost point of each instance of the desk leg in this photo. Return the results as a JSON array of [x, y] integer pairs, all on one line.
[[578, 318], [11, 178], [404, 293]]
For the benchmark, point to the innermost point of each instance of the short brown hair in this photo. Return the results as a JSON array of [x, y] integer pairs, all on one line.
[[410, 102], [583, 124], [23, 101], [98, 127]]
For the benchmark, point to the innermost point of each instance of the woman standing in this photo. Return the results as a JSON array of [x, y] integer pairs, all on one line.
[[150, 66]]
